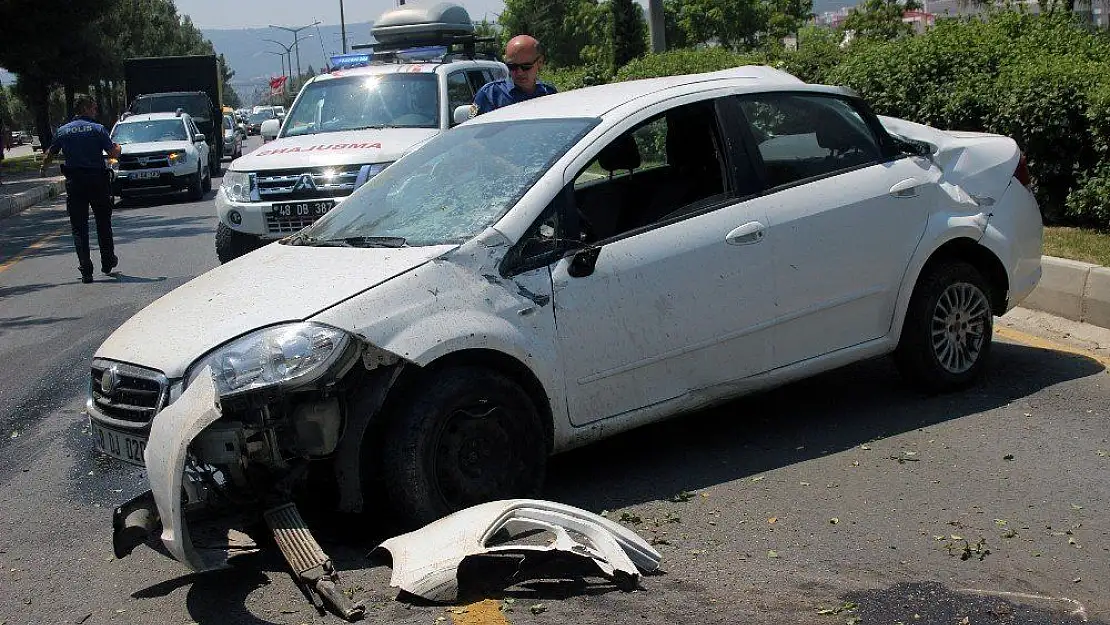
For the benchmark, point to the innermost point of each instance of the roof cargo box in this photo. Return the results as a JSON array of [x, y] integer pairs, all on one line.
[[438, 24]]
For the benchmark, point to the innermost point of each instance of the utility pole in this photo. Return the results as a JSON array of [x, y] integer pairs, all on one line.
[[343, 26], [296, 40], [657, 26]]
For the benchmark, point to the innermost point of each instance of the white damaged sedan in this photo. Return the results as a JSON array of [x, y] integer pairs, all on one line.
[[552, 273]]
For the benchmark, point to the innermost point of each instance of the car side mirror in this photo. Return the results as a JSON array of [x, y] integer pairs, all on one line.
[[461, 114], [583, 262], [199, 138], [270, 129]]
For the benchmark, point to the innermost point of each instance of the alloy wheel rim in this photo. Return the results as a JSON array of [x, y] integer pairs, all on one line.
[[959, 327]]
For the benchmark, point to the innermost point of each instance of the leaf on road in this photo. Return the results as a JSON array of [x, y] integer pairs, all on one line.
[[628, 517], [1102, 453], [965, 621], [15, 434], [683, 497], [1076, 507], [773, 520], [539, 608], [758, 478], [865, 447], [1000, 522], [771, 553], [834, 520]]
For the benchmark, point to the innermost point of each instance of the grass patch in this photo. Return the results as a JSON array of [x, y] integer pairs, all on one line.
[[22, 164], [1090, 246]]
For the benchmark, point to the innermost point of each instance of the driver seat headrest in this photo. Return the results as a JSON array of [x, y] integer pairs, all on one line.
[[621, 154]]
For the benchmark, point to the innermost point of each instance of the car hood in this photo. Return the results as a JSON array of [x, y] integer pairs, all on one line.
[[153, 146], [276, 284], [334, 148]]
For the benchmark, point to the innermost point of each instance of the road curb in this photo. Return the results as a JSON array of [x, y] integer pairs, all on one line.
[[1073, 290], [19, 202]]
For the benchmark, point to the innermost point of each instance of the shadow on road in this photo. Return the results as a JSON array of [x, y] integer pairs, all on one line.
[[795, 423]]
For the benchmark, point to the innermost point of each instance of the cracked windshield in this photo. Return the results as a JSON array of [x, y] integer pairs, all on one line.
[[358, 102], [461, 182]]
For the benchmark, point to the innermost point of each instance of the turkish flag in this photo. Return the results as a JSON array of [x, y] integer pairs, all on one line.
[[277, 85]]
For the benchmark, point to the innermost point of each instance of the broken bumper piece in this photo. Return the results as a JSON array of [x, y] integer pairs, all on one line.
[[166, 453], [426, 561]]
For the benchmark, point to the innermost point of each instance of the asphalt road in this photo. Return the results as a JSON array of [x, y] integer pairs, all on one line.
[[845, 497]]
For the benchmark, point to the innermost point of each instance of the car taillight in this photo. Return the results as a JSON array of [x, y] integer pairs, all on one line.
[[1022, 172]]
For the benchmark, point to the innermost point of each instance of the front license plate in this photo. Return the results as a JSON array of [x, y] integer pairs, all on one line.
[[145, 175], [120, 445], [301, 209]]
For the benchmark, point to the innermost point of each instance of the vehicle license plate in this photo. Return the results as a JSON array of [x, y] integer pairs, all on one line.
[[301, 209], [122, 446], [145, 175]]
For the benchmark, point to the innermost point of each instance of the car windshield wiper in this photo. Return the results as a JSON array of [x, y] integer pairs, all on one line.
[[371, 241]]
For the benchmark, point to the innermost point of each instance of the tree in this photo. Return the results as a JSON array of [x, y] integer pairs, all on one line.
[[569, 30], [730, 23], [786, 17], [230, 97], [629, 31], [880, 19]]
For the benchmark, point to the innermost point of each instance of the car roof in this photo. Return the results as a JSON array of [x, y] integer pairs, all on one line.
[[377, 69], [599, 100], [147, 117]]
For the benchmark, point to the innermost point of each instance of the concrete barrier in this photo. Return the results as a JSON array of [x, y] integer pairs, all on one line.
[[1072, 290], [19, 202]]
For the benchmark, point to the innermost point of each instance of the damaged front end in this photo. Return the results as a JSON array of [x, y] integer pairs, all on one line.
[[256, 419]]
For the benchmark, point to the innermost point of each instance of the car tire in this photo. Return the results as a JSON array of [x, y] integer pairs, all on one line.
[[461, 436], [231, 244], [207, 186], [946, 336], [196, 186], [214, 166]]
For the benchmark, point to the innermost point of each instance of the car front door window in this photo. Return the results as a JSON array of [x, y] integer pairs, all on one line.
[[666, 305], [459, 93]]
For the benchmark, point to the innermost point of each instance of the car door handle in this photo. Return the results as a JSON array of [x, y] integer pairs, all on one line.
[[907, 188], [751, 232]]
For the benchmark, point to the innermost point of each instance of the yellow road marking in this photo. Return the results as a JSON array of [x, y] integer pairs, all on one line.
[[487, 612], [1010, 334], [4, 266]]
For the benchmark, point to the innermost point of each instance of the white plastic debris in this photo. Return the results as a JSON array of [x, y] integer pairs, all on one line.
[[426, 561]]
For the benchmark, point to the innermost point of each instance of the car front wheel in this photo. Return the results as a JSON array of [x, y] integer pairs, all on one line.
[[946, 336], [196, 186], [462, 436], [231, 244]]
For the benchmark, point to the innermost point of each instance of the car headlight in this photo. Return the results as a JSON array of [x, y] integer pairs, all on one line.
[[369, 171], [238, 185], [290, 354], [177, 156]]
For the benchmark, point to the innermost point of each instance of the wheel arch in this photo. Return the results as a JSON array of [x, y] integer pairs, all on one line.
[[493, 359], [978, 256]]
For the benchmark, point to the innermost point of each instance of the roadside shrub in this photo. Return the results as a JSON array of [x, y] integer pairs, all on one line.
[[1089, 202], [1042, 104], [567, 78], [1037, 78], [675, 62]]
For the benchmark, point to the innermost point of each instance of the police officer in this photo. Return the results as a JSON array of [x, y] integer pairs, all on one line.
[[84, 143]]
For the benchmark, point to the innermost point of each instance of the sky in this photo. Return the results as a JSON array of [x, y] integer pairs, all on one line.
[[210, 14]]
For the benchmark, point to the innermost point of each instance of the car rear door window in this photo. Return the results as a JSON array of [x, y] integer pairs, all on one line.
[[801, 137]]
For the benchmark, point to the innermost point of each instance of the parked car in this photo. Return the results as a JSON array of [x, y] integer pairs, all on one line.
[[555, 272], [234, 135], [162, 153]]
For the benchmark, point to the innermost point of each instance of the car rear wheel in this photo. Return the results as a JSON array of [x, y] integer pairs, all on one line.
[[231, 244], [207, 181], [947, 334], [463, 436]]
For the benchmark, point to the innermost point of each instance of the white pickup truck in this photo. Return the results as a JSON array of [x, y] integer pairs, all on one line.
[[344, 128]]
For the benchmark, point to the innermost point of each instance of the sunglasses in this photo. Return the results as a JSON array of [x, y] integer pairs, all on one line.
[[527, 67]]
